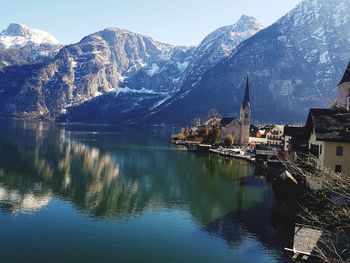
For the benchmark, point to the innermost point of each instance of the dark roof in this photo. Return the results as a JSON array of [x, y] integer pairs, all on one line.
[[246, 94], [329, 124], [253, 127], [225, 121], [294, 132], [346, 77]]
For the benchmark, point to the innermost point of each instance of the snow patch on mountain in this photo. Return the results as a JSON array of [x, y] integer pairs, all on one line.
[[182, 66], [18, 35], [153, 70], [134, 91]]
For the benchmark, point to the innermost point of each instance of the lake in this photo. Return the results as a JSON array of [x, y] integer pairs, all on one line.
[[84, 193]]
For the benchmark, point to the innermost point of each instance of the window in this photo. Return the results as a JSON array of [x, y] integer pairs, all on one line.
[[338, 168], [320, 149], [314, 150], [339, 151]]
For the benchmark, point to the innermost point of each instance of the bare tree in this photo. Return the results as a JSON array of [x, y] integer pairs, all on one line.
[[325, 204]]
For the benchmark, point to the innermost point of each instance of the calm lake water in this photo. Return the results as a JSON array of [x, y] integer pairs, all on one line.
[[91, 194]]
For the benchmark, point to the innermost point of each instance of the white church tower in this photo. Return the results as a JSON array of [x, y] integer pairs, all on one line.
[[245, 116], [344, 90]]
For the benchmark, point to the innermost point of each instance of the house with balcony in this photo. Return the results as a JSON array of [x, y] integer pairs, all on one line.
[[274, 136]]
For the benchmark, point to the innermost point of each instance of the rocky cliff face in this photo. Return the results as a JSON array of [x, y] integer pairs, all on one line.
[[219, 45], [110, 61]]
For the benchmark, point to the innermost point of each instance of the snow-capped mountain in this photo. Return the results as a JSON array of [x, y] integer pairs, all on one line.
[[111, 61], [20, 44], [215, 47], [219, 45], [293, 65], [17, 35], [118, 76]]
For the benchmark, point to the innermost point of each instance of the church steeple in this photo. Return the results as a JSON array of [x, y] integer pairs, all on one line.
[[245, 115], [245, 101], [346, 77]]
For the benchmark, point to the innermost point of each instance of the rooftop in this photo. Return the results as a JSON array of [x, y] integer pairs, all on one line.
[[329, 124], [245, 101], [225, 121]]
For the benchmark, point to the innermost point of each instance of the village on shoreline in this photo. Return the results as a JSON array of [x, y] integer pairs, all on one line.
[[308, 165], [325, 135]]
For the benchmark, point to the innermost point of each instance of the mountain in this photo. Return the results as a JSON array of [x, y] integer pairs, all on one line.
[[293, 65], [215, 47], [17, 35], [111, 61], [20, 44], [219, 45], [117, 76]]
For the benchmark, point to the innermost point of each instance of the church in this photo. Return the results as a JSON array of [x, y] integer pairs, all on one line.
[[343, 100], [239, 128]]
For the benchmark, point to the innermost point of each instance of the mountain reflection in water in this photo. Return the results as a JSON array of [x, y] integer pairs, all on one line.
[[41, 158]]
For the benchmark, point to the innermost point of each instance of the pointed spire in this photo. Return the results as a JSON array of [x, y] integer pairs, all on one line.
[[346, 77], [246, 94]]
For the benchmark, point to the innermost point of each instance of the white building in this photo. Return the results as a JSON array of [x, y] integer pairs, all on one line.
[[344, 90], [274, 135]]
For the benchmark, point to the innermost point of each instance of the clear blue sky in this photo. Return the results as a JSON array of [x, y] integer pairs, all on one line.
[[180, 22]]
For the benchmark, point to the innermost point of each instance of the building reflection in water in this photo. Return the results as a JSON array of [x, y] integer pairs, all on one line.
[[266, 222]]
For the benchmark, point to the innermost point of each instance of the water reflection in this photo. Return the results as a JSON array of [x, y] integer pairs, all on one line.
[[14, 201], [108, 176], [241, 225], [38, 159]]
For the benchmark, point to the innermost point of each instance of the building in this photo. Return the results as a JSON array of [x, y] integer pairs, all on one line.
[[294, 139], [245, 116], [343, 100], [274, 136], [328, 133], [239, 129], [257, 135]]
